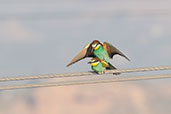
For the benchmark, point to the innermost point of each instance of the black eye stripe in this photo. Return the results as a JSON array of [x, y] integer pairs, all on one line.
[[97, 45], [94, 61]]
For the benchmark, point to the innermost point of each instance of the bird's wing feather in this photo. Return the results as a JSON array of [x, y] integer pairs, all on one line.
[[111, 50], [85, 52]]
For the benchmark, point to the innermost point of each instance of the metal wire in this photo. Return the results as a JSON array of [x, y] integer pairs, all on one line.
[[90, 81], [33, 77]]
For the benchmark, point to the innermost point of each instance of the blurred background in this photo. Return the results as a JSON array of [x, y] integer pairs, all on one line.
[[42, 36]]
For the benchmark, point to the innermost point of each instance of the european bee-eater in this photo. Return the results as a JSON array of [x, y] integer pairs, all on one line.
[[100, 66], [96, 49], [104, 51]]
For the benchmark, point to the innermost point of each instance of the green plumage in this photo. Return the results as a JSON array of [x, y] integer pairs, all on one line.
[[99, 68], [101, 54]]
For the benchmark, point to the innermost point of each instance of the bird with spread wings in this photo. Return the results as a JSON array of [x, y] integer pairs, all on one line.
[[88, 51]]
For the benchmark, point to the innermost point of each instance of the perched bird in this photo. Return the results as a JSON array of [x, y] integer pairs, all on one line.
[[96, 49], [100, 66]]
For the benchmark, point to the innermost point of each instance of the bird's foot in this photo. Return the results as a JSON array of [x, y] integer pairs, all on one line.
[[116, 74]]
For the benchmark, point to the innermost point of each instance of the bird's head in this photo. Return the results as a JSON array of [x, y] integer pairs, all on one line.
[[94, 62], [96, 45]]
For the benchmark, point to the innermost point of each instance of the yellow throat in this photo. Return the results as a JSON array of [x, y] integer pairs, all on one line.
[[94, 64], [97, 47]]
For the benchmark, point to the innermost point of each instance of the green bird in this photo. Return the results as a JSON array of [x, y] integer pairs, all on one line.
[[99, 51], [105, 51], [100, 66], [96, 49]]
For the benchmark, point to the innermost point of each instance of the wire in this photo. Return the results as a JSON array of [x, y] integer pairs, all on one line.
[[33, 77], [81, 82]]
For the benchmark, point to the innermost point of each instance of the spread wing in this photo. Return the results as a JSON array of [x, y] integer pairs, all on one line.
[[86, 52], [111, 50]]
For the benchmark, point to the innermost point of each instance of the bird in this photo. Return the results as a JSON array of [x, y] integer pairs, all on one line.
[[100, 66], [96, 49], [97, 66]]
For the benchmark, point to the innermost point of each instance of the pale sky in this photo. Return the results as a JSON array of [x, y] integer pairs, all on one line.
[[42, 36]]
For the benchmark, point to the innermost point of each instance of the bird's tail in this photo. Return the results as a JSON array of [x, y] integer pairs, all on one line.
[[111, 67]]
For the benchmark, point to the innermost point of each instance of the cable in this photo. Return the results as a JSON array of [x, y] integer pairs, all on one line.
[[139, 69], [81, 82], [33, 77]]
